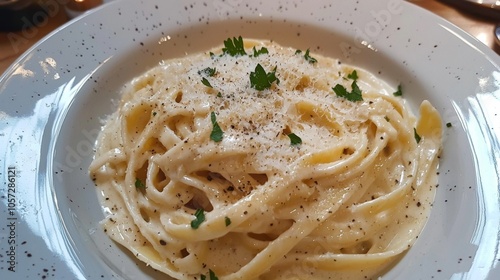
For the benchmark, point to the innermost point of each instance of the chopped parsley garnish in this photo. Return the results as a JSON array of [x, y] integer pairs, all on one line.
[[354, 95], [210, 72], [227, 221], [200, 218], [260, 80], [234, 47], [449, 124], [212, 55], [294, 139], [307, 57], [417, 137], [353, 75], [139, 184], [211, 276], [219, 94], [206, 82], [399, 92], [154, 114], [262, 50], [217, 132]]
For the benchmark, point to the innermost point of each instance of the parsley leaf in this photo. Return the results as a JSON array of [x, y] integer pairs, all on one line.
[[449, 125], [206, 82], [234, 47], [139, 184], [353, 75], [211, 276], [417, 137], [309, 58], [294, 139], [227, 221], [217, 132], [356, 91], [399, 92], [262, 50], [210, 72], [200, 218], [260, 80], [354, 95]]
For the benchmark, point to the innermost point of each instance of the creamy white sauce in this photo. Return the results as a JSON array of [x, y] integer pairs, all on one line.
[[345, 203]]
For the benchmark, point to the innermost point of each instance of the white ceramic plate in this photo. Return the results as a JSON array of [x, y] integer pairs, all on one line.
[[53, 98]]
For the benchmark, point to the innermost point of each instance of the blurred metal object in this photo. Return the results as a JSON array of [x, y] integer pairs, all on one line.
[[488, 9], [496, 32], [75, 8]]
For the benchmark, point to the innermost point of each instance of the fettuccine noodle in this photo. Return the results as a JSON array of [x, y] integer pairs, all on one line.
[[202, 175]]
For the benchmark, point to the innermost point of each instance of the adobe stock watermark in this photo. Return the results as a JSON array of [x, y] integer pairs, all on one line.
[[74, 156], [31, 26], [372, 29]]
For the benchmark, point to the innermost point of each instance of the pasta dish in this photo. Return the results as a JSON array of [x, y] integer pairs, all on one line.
[[258, 161]]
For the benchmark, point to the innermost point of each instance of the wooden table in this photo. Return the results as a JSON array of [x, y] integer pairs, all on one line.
[[477, 26], [14, 44]]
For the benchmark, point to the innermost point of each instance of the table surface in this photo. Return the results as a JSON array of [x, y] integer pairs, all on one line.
[[14, 44]]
